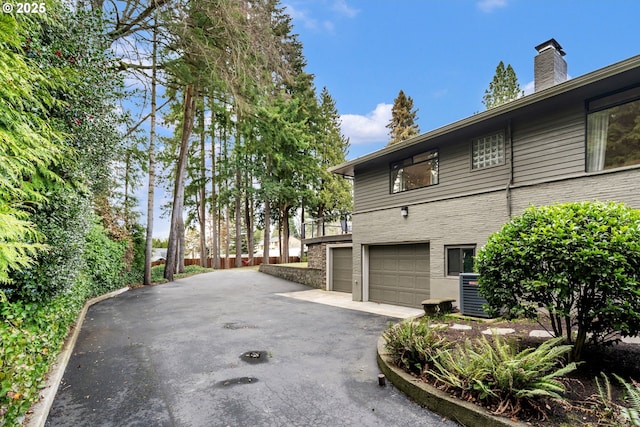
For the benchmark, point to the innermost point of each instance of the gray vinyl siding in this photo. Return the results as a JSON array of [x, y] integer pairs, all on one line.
[[543, 149], [549, 148], [622, 185], [372, 186]]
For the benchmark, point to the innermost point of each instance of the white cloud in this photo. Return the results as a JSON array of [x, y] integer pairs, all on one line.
[[308, 20], [367, 129], [301, 16], [529, 88], [343, 8], [491, 5]]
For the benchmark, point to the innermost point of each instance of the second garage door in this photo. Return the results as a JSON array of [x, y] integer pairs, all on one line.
[[342, 272], [399, 274]]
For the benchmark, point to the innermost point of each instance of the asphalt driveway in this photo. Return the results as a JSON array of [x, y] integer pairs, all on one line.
[[224, 349]]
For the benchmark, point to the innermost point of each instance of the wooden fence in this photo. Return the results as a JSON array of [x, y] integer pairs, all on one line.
[[226, 263]]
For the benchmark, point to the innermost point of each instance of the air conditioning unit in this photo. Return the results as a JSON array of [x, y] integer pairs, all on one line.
[[470, 301]]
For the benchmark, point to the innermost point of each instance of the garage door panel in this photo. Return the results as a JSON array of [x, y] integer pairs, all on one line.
[[406, 265], [341, 265], [399, 274]]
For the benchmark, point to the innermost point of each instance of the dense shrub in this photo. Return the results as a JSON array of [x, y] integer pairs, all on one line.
[[32, 330], [32, 335], [105, 264], [135, 256], [64, 222], [579, 261]]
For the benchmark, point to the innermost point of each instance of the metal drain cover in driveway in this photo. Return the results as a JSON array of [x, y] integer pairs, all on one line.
[[237, 381], [255, 356]]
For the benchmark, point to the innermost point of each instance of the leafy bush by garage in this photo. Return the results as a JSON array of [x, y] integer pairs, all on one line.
[[579, 261]]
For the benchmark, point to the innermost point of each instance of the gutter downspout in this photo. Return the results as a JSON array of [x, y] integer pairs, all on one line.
[[510, 183]]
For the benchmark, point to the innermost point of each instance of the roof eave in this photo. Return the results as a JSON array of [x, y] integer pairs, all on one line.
[[347, 168]]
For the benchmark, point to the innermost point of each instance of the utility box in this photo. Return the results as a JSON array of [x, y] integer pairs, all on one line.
[[470, 300]]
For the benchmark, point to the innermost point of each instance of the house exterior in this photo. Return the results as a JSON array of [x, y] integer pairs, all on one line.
[[422, 208], [274, 247]]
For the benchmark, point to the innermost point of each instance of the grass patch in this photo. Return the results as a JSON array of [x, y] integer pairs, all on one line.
[[157, 272], [295, 264]]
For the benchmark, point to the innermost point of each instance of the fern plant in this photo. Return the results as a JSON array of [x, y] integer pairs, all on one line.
[[632, 396], [413, 345], [495, 372]]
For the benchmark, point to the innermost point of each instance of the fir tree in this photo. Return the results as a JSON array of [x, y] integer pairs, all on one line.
[[504, 87], [403, 119]]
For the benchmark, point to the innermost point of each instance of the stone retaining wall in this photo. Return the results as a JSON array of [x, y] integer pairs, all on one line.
[[306, 276]]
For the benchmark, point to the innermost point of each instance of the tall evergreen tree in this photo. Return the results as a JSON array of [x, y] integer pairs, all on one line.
[[403, 119], [332, 194], [504, 87]]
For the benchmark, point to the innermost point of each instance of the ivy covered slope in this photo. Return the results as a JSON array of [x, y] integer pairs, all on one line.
[[62, 238]]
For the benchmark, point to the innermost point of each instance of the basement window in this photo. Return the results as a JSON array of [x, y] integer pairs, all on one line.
[[459, 259], [414, 172], [613, 131]]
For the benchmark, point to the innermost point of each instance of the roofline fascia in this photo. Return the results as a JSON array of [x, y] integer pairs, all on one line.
[[525, 101]]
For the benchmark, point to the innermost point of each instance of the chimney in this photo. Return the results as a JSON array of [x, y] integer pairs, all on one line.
[[550, 68]]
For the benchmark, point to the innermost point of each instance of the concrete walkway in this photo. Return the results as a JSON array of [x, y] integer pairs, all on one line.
[[230, 348], [344, 300]]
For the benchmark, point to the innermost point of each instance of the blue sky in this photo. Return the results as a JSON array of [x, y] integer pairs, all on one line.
[[443, 53]]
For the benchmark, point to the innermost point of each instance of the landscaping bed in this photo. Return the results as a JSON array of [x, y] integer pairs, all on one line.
[[587, 400]]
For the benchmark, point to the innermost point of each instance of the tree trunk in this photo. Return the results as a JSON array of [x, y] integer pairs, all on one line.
[[248, 223], [181, 248], [178, 192], [227, 240], [203, 197], [214, 200], [267, 232], [148, 248], [127, 168], [285, 234], [238, 220]]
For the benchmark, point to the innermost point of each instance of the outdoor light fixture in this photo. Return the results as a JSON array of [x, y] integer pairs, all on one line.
[[404, 211]]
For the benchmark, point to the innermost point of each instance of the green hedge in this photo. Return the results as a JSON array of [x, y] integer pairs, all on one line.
[[32, 333]]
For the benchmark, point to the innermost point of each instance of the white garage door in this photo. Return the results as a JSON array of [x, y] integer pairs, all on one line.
[[399, 274]]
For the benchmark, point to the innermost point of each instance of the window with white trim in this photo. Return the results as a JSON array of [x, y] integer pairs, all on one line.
[[487, 151]]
